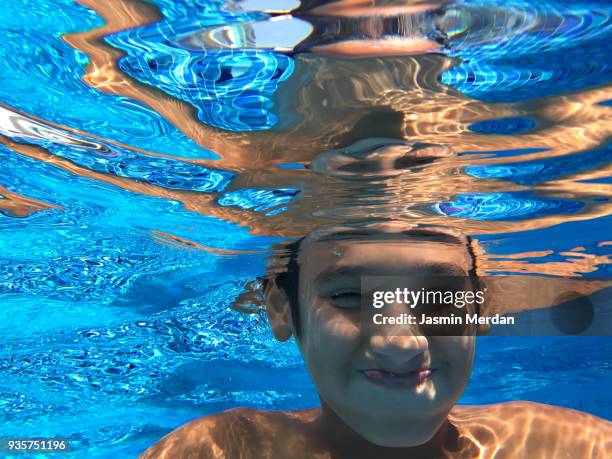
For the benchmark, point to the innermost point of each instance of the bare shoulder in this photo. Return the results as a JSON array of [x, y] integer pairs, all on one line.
[[542, 430], [193, 439], [232, 433]]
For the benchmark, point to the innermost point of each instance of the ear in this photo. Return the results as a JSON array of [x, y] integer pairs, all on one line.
[[477, 252], [483, 329], [278, 311]]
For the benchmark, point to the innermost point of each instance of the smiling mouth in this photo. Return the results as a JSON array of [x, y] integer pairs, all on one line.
[[398, 380]]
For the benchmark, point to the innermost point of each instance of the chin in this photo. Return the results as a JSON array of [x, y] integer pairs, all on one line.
[[407, 440], [401, 434]]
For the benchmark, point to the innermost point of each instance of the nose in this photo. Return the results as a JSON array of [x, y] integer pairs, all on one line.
[[398, 350]]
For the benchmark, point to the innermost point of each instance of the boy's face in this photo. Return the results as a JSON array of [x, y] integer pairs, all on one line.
[[396, 388]]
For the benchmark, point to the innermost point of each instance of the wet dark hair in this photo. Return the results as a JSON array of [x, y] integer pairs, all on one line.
[[289, 282], [289, 279]]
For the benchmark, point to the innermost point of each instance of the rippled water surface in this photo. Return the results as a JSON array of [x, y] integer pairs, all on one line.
[[151, 153]]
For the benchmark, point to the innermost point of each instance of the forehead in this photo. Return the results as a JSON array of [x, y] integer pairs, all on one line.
[[384, 255]]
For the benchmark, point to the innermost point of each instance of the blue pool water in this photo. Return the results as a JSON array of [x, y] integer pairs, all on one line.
[[125, 237]]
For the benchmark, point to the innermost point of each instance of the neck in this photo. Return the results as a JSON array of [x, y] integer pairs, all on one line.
[[346, 442]]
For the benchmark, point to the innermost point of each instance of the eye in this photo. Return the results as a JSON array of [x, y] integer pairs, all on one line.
[[346, 298]]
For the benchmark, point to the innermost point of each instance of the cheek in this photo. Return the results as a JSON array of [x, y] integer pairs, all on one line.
[[457, 353], [332, 340]]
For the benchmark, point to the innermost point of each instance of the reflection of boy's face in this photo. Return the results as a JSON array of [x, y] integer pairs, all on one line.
[[395, 389]]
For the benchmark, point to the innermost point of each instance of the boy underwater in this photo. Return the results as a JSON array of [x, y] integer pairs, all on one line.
[[390, 394]]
